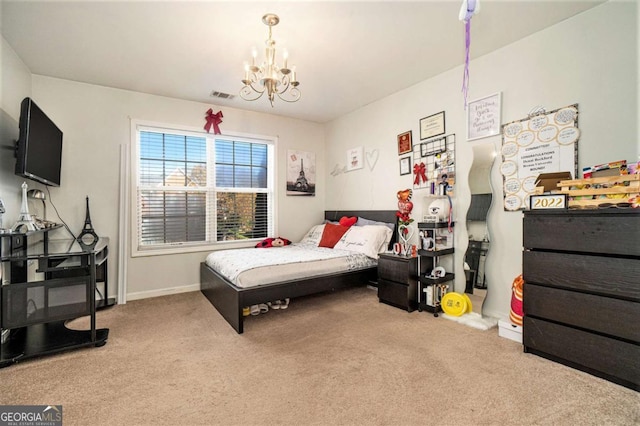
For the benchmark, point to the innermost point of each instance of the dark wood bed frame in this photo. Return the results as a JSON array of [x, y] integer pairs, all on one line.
[[229, 299]]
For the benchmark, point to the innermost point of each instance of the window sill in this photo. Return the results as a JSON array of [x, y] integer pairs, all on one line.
[[188, 248]]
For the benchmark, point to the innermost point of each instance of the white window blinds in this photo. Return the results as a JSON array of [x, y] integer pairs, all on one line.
[[202, 189]]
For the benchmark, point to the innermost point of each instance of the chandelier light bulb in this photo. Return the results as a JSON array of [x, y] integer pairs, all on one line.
[[246, 74]]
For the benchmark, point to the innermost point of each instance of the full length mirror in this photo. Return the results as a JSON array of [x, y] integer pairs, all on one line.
[[476, 221]]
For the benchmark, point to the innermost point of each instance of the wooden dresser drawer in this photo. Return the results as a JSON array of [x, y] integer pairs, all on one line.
[[587, 311], [600, 231], [397, 268], [608, 276], [612, 359], [401, 295]]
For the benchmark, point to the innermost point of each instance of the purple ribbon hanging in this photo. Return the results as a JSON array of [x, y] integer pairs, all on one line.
[[466, 16], [465, 75]]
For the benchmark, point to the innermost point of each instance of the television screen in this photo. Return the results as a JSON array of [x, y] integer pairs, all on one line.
[[479, 207], [39, 148]]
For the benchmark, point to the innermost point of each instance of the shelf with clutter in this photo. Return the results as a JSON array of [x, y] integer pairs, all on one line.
[[436, 240], [615, 184], [594, 192]]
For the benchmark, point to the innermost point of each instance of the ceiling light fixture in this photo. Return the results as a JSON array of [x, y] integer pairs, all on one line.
[[269, 77]]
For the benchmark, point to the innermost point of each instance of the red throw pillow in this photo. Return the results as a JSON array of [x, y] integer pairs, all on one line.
[[348, 221], [332, 234]]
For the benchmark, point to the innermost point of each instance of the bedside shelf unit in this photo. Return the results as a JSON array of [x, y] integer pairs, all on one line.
[[582, 292], [46, 283], [431, 290]]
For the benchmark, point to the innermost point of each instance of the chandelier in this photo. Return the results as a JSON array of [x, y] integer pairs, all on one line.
[[269, 77]]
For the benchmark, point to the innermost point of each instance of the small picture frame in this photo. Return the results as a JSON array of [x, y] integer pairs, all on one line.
[[405, 143], [405, 166], [433, 147], [355, 159], [548, 202], [432, 125]]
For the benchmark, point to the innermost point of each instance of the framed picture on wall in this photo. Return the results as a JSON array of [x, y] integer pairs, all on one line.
[[405, 144], [354, 159], [432, 125], [301, 173], [483, 117], [405, 166], [433, 147]]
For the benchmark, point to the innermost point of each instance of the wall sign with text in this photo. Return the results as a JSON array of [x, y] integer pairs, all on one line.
[[544, 142], [483, 117]]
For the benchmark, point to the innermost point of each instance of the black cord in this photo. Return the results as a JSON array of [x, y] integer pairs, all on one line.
[[58, 214]]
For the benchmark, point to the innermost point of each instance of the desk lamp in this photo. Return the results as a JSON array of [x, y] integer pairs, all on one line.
[[37, 194]]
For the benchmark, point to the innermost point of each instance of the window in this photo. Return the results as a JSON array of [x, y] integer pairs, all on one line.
[[196, 189]]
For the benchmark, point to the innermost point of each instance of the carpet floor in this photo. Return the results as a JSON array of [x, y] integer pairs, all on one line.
[[333, 359]]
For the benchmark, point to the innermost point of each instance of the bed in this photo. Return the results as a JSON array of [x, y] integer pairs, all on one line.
[[229, 299]]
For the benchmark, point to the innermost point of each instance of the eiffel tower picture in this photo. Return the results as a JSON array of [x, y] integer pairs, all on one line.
[[300, 179]]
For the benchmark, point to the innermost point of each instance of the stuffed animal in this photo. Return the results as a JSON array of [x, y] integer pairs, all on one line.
[[273, 242]]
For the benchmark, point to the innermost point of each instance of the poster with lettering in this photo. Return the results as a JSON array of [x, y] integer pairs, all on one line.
[[544, 142], [483, 117]]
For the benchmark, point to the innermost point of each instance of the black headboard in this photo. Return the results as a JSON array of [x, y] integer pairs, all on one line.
[[388, 216]]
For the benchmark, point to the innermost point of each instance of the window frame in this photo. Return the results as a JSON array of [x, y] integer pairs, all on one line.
[[191, 247]]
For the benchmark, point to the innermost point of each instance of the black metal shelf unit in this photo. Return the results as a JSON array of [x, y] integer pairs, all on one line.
[[46, 283]]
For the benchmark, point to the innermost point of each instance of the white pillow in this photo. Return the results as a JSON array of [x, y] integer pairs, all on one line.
[[369, 240], [313, 236]]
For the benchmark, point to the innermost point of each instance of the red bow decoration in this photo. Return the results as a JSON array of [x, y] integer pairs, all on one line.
[[213, 120], [420, 171]]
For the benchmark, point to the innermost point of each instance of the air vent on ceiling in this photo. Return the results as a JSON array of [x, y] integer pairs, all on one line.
[[221, 95]]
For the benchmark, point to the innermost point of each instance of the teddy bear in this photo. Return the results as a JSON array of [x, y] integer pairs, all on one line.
[[273, 242]]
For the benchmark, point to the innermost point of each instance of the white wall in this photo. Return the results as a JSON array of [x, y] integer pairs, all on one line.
[[15, 85], [96, 122], [590, 59]]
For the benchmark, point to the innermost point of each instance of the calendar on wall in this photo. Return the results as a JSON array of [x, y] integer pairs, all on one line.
[[434, 165]]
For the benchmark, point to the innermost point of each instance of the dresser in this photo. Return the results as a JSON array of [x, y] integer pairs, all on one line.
[[582, 290], [398, 280]]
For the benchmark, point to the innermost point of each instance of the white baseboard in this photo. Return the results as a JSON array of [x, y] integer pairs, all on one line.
[[162, 292]]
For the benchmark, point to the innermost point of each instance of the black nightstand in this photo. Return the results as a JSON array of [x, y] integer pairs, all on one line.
[[398, 281]]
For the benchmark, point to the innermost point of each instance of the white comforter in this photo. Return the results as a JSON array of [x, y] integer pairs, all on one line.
[[255, 266]]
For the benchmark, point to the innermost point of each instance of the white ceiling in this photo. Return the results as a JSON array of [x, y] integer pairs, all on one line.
[[348, 54]]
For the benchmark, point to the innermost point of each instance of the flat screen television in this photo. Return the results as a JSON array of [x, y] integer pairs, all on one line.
[[39, 146]]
